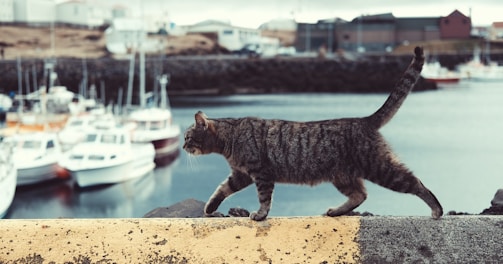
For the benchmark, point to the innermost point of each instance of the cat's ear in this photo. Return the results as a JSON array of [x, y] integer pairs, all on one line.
[[201, 120]]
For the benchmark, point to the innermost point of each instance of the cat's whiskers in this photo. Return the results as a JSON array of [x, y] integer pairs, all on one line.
[[192, 161]]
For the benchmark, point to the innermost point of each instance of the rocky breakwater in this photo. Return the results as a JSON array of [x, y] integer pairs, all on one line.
[[223, 75]]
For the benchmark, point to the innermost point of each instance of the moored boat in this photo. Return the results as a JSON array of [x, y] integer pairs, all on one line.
[[107, 156], [35, 156], [154, 125], [8, 178], [484, 73], [436, 73], [477, 71], [75, 128]]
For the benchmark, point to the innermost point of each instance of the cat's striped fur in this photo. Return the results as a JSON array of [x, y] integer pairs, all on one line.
[[341, 151]]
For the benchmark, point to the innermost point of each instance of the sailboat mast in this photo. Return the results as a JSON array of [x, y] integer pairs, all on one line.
[[129, 95], [164, 96], [142, 59], [142, 78], [19, 83]]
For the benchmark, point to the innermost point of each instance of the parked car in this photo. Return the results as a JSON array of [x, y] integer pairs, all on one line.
[[250, 50], [286, 51]]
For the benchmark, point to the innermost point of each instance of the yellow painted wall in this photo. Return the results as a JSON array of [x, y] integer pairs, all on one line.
[[175, 240]]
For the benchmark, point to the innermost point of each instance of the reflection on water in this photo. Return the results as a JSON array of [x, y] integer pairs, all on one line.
[[67, 200], [452, 139]]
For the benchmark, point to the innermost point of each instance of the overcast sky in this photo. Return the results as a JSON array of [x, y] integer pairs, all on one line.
[[252, 13]]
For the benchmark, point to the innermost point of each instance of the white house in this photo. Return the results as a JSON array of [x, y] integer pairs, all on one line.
[[34, 11], [6, 10], [120, 11], [496, 31], [124, 35], [228, 36], [127, 35], [280, 24], [81, 12]]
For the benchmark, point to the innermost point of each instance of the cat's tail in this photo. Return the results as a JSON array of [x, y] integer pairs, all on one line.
[[400, 91]]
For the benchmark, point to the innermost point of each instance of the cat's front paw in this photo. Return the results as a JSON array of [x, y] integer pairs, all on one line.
[[258, 217], [210, 208]]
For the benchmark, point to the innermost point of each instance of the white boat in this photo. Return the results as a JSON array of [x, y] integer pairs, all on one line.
[[107, 156], [75, 128], [477, 71], [35, 156], [8, 178], [434, 72], [5, 103], [154, 125]]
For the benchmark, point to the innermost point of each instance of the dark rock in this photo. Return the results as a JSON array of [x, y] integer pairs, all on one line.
[[216, 214], [239, 212], [189, 208], [496, 205], [356, 213], [498, 198], [493, 210], [457, 213]]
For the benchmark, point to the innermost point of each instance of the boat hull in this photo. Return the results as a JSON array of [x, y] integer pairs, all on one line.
[[35, 156], [166, 148], [141, 164], [7, 189], [104, 175], [110, 175], [156, 128], [166, 143], [36, 174], [443, 80]]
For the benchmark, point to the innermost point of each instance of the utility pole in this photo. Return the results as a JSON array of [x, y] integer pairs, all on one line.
[[359, 34], [330, 37], [308, 37]]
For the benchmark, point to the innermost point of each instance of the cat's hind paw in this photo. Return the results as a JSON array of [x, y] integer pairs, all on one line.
[[258, 217], [333, 212], [436, 214], [214, 214]]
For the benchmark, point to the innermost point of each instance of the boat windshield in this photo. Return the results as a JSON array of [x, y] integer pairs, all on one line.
[[141, 125], [91, 138], [76, 123], [157, 125], [108, 138], [31, 144]]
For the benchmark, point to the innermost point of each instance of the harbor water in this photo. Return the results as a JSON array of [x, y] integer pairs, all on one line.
[[451, 138]]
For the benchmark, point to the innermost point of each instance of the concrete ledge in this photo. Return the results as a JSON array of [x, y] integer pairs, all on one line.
[[453, 239], [177, 240]]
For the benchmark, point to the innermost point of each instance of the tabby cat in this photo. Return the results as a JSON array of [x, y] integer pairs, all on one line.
[[341, 151]]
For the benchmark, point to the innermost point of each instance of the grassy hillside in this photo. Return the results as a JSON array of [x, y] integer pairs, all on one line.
[[30, 42]]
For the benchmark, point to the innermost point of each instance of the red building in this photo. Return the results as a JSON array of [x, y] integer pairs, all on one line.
[[455, 26], [380, 32]]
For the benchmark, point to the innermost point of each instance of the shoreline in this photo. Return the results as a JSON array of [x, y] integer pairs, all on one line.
[[216, 76]]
